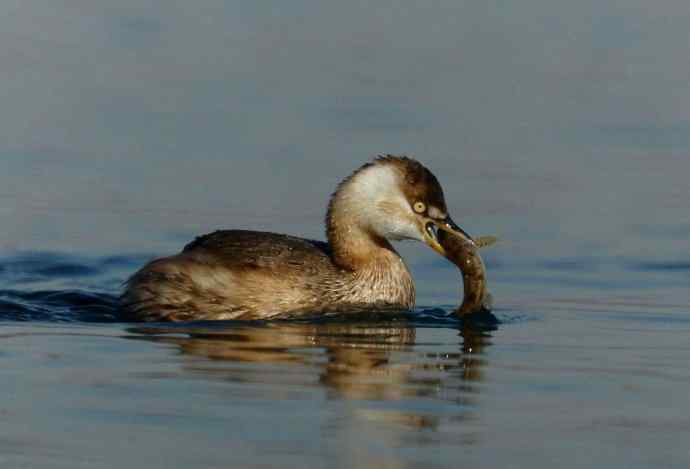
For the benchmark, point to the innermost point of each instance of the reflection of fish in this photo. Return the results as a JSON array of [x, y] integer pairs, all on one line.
[[466, 256]]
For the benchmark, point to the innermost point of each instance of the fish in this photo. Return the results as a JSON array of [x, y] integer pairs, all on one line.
[[464, 254]]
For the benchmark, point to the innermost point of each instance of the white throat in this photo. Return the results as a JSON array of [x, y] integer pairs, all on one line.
[[373, 197]]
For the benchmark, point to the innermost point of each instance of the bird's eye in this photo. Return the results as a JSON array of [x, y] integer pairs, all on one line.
[[419, 207]]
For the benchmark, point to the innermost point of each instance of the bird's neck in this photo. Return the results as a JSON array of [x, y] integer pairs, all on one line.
[[355, 248], [378, 274], [353, 214]]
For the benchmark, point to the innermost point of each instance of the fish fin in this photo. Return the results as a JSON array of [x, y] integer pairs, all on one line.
[[485, 241]]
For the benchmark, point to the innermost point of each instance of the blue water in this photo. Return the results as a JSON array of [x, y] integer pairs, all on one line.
[[534, 382]]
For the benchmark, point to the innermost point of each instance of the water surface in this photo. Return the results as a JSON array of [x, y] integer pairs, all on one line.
[[536, 383]]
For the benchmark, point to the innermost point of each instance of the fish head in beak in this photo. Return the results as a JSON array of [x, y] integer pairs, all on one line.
[[436, 229]]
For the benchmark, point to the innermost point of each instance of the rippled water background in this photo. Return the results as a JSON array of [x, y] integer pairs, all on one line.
[[564, 128]]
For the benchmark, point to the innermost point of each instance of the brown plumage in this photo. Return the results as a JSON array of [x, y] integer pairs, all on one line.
[[236, 274]]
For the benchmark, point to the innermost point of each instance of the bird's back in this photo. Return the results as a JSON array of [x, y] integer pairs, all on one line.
[[232, 274], [242, 249]]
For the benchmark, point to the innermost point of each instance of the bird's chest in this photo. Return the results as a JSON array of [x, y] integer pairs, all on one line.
[[389, 283]]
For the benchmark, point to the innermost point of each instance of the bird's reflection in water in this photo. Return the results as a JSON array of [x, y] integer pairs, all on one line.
[[351, 360]]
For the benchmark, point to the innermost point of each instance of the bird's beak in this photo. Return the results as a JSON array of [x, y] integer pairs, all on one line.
[[431, 230]]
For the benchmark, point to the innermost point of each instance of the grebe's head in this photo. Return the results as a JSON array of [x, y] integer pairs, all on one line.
[[394, 197]]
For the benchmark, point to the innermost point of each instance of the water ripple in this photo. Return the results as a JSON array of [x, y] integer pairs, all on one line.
[[661, 266], [57, 306]]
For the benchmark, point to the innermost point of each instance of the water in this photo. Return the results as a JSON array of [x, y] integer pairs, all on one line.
[[128, 129], [579, 382]]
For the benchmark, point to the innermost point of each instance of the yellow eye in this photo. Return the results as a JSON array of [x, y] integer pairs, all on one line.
[[419, 207]]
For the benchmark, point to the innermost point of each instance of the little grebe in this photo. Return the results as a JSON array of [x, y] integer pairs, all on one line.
[[236, 274]]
